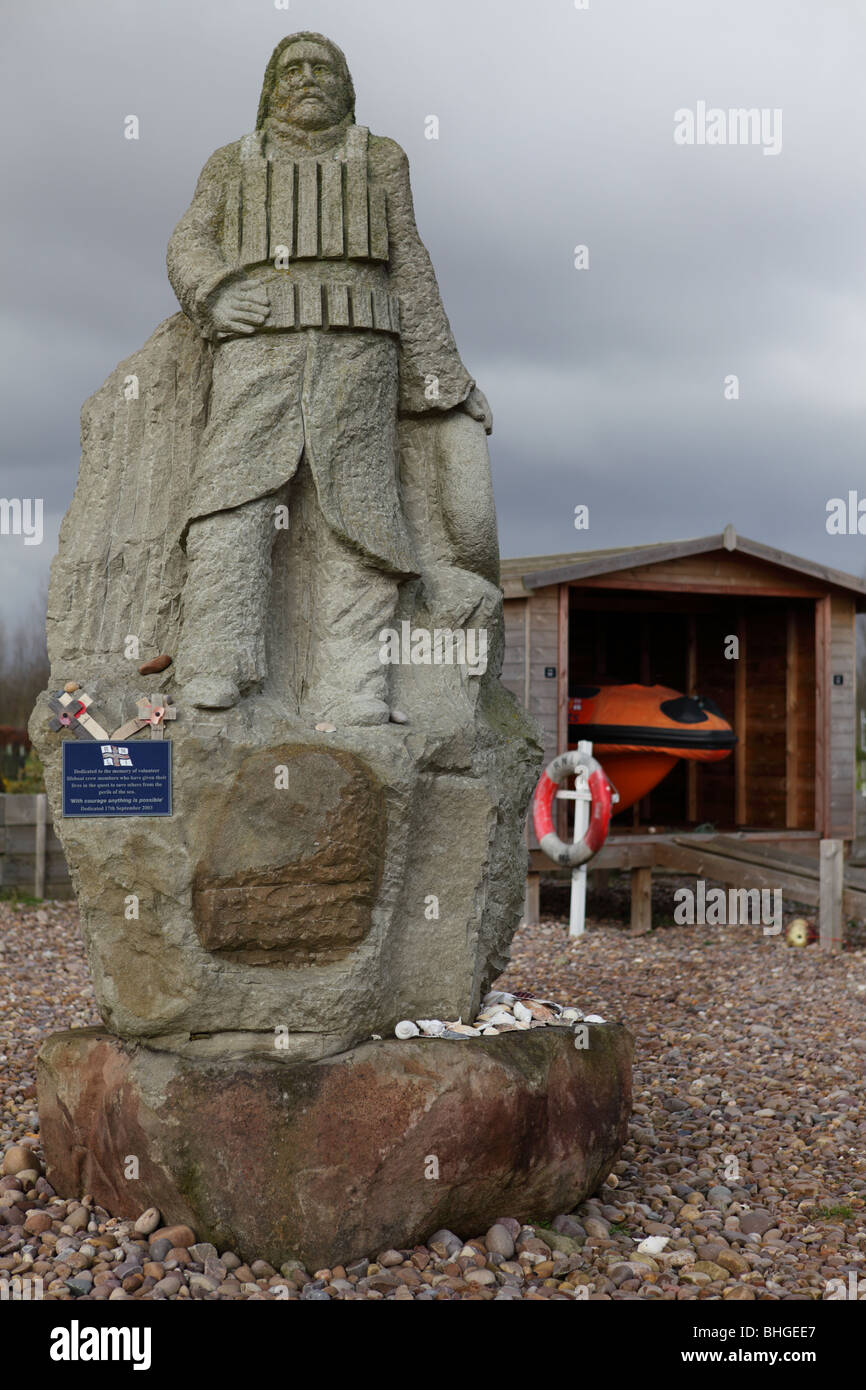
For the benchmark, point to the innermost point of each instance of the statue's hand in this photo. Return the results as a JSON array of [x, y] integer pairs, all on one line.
[[476, 406], [238, 308]]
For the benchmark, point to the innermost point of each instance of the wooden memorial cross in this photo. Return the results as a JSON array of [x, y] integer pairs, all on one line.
[[152, 710], [74, 711]]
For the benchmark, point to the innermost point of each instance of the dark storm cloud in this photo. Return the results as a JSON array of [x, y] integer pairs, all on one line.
[[556, 128]]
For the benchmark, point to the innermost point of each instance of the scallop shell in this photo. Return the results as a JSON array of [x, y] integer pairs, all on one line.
[[593, 1018], [521, 1013], [406, 1029], [572, 1015], [499, 1016], [541, 1012], [548, 1004]]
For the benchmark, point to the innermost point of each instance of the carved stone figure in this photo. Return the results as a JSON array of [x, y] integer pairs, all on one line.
[[287, 491], [300, 260]]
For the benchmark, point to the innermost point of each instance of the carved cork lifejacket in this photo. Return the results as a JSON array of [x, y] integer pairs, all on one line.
[[317, 229]]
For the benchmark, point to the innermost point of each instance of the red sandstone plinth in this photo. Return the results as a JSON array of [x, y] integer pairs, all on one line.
[[329, 1161]]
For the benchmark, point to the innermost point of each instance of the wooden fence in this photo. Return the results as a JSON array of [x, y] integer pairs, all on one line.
[[31, 857]]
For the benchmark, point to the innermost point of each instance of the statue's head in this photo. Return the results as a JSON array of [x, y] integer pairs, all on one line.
[[307, 82]]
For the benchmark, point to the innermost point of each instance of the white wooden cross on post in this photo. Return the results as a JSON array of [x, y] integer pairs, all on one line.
[[582, 798]]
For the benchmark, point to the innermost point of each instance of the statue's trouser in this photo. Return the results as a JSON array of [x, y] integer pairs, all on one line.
[[343, 603], [327, 394], [314, 411]]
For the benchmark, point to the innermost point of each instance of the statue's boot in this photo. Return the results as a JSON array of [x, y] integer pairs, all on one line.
[[360, 712]]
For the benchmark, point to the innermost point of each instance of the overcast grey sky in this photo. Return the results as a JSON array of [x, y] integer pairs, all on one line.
[[555, 129]]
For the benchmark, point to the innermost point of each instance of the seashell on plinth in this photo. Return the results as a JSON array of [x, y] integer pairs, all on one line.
[[431, 1027]]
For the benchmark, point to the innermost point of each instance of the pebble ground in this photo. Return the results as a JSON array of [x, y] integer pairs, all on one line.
[[745, 1168]]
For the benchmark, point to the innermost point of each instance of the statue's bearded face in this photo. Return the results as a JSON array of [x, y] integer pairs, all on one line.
[[310, 90]]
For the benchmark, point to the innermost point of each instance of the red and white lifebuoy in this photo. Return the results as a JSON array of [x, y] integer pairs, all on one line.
[[567, 764]]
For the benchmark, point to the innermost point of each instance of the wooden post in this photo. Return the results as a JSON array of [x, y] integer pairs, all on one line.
[[832, 871], [741, 767], [792, 713], [41, 816], [532, 899], [641, 901], [582, 804]]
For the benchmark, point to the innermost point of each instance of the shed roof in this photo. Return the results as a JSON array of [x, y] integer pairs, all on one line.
[[537, 571]]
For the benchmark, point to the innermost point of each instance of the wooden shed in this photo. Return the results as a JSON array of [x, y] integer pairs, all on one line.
[[665, 614]]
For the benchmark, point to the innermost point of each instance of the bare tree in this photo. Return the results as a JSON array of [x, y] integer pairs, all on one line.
[[24, 665]]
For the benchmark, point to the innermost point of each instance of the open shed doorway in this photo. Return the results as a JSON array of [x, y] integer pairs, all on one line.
[[767, 693]]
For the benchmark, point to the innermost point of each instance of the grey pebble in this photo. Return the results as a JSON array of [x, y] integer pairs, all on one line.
[[499, 1242], [80, 1285], [169, 1285]]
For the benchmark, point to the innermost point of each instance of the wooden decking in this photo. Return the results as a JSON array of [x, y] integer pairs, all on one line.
[[803, 867]]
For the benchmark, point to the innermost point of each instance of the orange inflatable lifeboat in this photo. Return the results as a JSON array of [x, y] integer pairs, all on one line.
[[639, 731]]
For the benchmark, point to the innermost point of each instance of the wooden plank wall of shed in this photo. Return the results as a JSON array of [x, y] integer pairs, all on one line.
[[842, 718], [514, 660], [538, 619], [801, 751], [779, 743], [765, 715], [543, 622], [860, 734]]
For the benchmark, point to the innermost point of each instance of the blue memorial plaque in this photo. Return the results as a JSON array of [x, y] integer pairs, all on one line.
[[117, 779]]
